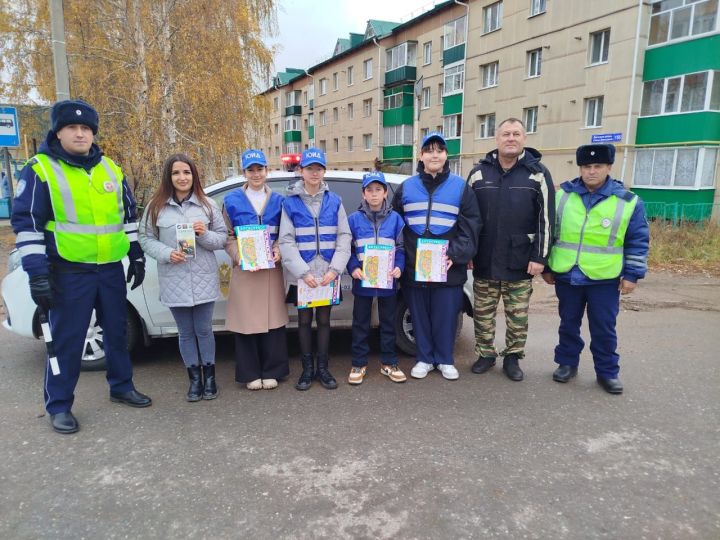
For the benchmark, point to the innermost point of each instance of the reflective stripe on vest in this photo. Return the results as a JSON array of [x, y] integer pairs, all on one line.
[[241, 211], [437, 212], [88, 210], [314, 236], [591, 239], [364, 233]]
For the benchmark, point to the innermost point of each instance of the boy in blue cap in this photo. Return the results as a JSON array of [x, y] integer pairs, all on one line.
[[374, 223], [600, 251]]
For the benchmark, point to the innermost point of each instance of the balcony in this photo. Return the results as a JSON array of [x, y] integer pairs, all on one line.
[[293, 110], [399, 75]]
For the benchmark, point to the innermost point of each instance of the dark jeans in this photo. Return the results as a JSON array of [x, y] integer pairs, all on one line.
[[195, 333], [362, 308]]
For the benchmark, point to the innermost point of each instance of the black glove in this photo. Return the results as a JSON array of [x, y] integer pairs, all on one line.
[[136, 273], [41, 292]]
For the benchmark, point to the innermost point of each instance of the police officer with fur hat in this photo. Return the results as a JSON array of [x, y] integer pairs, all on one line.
[[75, 220], [600, 251]]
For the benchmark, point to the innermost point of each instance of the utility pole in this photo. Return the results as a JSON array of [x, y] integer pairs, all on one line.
[[60, 65]]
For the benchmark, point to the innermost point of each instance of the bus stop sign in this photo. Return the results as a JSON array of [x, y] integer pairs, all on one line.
[[9, 129]]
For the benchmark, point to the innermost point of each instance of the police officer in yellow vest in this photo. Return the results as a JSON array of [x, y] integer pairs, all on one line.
[[75, 220], [600, 251]]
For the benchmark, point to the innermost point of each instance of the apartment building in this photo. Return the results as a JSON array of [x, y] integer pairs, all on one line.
[[644, 75]]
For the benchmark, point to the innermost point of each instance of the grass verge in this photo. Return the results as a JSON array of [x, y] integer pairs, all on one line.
[[686, 248]]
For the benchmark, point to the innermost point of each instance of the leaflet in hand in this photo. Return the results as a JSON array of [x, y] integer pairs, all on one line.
[[254, 247], [378, 263], [430, 260], [185, 239], [322, 295]]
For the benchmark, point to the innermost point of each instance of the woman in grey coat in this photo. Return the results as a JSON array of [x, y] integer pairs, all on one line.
[[181, 228]]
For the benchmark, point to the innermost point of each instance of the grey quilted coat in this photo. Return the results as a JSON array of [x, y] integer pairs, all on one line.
[[195, 281]]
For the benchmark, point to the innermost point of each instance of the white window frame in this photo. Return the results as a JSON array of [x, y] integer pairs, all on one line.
[[537, 7], [367, 69], [534, 63], [350, 76], [427, 53], [292, 98], [351, 110], [367, 142], [426, 98], [452, 126], [489, 75], [276, 103], [454, 33], [323, 145], [367, 107], [530, 119], [492, 17], [400, 135], [705, 154], [322, 118], [455, 75], [591, 107], [323, 86], [710, 82], [335, 114], [401, 55], [311, 120], [441, 93], [604, 46], [291, 123], [336, 81], [293, 148], [486, 125], [671, 13], [350, 143], [336, 145]]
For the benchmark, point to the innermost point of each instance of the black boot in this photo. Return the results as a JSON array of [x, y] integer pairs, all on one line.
[[210, 391], [512, 368], [196, 386], [323, 373], [308, 373]]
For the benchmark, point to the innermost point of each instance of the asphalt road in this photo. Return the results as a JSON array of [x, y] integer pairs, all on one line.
[[481, 457]]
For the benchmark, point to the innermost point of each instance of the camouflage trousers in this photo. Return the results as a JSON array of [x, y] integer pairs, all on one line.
[[516, 301]]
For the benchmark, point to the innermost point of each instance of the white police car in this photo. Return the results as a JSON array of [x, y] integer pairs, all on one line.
[[149, 319]]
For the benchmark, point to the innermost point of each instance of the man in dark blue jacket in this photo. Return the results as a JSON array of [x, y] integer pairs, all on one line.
[[600, 251], [512, 189]]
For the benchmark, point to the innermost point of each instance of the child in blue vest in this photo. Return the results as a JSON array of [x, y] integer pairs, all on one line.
[[374, 223], [315, 247]]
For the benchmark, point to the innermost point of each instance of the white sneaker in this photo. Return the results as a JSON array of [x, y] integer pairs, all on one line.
[[448, 371], [421, 369]]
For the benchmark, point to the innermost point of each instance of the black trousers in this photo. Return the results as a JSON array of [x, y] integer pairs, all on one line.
[[261, 356], [362, 308]]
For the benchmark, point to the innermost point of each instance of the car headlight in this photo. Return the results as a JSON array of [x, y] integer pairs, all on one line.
[[14, 260]]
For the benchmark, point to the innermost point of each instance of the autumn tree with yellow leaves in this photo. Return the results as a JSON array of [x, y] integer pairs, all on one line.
[[165, 75]]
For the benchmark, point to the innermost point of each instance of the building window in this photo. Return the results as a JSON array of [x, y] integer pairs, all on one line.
[[492, 17], [675, 167], [454, 33], [599, 46], [350, 143], [367, 107], [322, 119], [537, 7], [311, 120], [530, 116], [277, 150], [336, 114], [452, 126], [677, 19], [367, 69], [367, 142], [593, 111], [276, 103], [441, 93], [292, 123], [393, 101], [292, 98], [351, 111], [323, 86], [534, 61], [292, 148], [277, 129], [323, 145], [486, 126], [454, 79], [424, 133], [397, 135], [685, 93], [336, 145], [489, 75], [427, 53], [401, 56], [336, 80], [350, 75], [426, 98]]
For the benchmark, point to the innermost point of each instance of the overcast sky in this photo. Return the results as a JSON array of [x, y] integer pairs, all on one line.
[[309, 29]]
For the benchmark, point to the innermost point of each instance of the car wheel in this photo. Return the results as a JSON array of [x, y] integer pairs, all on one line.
[[404, 335], [93, 358]]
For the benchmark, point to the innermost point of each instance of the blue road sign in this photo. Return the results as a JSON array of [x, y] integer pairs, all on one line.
[[9, 129], [606, 137]]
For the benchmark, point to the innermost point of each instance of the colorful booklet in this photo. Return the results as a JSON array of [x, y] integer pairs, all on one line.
[[378, 263], [430, 260], [254, 247], [185, 239], [327, 295]]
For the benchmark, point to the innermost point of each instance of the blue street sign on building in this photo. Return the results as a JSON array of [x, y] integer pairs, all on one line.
[[9, 129], [606, 137]]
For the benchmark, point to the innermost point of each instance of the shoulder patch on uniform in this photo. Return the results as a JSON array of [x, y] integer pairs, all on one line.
[[538, 177], [20, 188], [474, 177]]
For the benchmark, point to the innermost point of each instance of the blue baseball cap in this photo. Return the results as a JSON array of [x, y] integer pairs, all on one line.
[[377, 176], [313, 156], [253, 157], [433, 136]]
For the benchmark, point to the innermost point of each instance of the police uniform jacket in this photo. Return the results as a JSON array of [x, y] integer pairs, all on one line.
[[517, 213], [32, 210], [637, 236]]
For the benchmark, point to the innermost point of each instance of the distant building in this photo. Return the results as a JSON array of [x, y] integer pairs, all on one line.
[[643, 75]]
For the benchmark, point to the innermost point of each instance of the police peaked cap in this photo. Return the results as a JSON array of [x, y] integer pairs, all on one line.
[[595, 153], [73, 111]]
